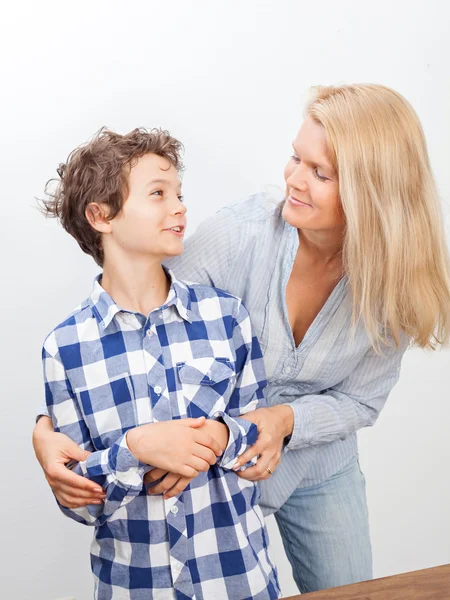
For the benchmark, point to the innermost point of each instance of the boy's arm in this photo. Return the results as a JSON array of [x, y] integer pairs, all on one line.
[[228, 428], [115, 469], [247, 394]]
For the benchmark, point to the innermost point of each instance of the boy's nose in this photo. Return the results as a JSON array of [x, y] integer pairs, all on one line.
[[179, 208]]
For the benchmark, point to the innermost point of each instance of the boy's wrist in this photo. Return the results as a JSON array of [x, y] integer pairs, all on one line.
[[133, 439], [219, 431]]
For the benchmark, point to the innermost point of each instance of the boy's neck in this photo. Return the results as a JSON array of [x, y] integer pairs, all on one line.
[[138, 286]]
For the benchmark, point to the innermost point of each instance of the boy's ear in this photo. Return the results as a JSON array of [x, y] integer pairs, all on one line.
[[97, 217]]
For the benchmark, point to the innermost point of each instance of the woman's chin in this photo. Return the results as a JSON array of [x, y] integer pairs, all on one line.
[[295, 217]]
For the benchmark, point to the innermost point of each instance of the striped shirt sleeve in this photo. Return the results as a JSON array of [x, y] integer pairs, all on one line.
[[354, 403]]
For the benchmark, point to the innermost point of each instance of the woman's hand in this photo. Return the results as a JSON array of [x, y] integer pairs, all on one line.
[[54, 451], [274, 424]]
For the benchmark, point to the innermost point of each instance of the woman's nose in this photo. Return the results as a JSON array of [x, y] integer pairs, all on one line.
[[297, 179]]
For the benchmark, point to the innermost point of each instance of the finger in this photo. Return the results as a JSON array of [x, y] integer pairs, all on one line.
[[259, 471], [195, 423], [197, 463], [73, 451], [59, 474], [84, 494], [69, 501], [205, 453], [206, 440], [248, 455], [154, 475], [187, 471], [169, 481], [253, 474], [179, 487]]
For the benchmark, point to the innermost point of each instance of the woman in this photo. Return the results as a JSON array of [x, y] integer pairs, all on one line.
[[339, 278]]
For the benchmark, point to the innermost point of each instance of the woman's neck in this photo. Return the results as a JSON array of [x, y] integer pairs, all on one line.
[[322, 246]]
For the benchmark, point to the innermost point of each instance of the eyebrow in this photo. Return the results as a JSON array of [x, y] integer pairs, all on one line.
[[152, 181], [317, 163], [159, 180]]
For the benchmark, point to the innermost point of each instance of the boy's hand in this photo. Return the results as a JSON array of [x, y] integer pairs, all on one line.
[[179, 446], [219, 431], [170, 486], [173, 484], [54, 451]]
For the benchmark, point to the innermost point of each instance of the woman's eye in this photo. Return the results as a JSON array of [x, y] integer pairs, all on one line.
[[295, 158], [181, 198], [319, 176]]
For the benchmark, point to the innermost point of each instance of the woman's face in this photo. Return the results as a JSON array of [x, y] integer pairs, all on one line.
[[312, 189]]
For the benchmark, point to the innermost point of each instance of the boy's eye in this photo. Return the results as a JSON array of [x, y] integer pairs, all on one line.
[[157, 192], [295, 158], [181, 198]]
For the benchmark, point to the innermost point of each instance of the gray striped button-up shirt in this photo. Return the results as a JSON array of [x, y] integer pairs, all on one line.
[[333, 380]]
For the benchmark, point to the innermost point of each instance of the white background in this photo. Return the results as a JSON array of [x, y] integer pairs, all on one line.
[[229, 79]]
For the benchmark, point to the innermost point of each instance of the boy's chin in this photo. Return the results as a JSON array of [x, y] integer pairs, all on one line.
[[174, 251]]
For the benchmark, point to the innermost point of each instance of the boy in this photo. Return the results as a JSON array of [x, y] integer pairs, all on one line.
[[150, 372]]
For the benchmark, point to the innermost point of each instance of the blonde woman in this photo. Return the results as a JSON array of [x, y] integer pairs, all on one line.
[[339, 279]]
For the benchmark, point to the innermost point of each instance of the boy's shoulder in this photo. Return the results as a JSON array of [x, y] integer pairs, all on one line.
[[68, 331], [213, 302], [208, 291]]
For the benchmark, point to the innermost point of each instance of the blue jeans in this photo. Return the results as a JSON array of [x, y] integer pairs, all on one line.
[[325, 531]]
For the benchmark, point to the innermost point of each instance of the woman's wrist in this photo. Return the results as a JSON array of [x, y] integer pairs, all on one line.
[[44, 425], [286, 414]]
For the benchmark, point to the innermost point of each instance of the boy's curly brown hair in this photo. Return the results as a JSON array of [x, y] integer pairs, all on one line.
[[98, 172]]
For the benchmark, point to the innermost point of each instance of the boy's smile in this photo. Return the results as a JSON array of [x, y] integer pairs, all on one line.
[[177, 230]]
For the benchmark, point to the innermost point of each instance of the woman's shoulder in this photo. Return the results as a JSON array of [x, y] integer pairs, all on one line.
[[259, 207]]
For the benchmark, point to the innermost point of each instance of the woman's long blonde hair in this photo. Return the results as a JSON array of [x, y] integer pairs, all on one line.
[[394, 253]]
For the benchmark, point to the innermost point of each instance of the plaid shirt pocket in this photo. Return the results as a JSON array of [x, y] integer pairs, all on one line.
[[207, 384]]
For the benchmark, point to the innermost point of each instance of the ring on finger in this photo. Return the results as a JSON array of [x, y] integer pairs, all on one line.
[[269, 470]]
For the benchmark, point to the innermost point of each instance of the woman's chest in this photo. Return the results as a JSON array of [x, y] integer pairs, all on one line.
[[304, 301], [327, 354]]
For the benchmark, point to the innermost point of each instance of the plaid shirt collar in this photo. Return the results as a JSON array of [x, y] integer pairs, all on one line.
[[105, 309]]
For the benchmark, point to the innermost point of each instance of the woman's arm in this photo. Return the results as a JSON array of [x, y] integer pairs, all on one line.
[[315, 419], [354, 403], [54, 451]]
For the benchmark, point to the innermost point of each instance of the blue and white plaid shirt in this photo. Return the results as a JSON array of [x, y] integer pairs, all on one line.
[[107, 370]]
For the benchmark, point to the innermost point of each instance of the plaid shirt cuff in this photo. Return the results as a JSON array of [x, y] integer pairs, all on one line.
[[117, 461], [242, 435]]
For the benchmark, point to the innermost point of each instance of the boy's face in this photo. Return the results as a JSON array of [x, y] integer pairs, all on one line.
[[145, 225]]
